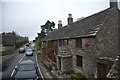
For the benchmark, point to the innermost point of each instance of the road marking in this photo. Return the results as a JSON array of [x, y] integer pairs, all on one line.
[[39, 68], [12, 72], [16, 66], [22, 58]]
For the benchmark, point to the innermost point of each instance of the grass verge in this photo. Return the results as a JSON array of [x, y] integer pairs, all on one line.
[[6, 51]]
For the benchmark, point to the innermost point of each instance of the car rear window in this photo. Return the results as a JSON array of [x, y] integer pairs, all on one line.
[[26, 67], [29, 50]]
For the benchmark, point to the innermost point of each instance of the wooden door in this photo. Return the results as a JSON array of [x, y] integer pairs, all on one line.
[[59, 58], [102, 70]]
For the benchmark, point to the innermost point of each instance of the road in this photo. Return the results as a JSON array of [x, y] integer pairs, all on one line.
[[8, 67]]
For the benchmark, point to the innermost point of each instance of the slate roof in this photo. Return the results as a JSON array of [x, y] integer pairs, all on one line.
[[86, 27]]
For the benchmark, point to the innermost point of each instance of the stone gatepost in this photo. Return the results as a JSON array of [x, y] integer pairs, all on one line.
[[57, 63], [58, 58]]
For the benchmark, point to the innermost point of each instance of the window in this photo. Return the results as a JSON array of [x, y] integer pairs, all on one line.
[[79, 60], [67, 42], [63, 42], [79, 42], [60, 42]]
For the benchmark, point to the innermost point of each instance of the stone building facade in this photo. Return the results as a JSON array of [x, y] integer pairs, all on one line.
[[8, 39], [21, 38], [90, 45]]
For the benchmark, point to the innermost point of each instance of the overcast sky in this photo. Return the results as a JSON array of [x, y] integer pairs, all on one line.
[[26, 16]]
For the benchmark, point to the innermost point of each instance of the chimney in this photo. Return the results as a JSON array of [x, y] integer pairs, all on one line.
[[113, 3], [70, 19], [59, 24]]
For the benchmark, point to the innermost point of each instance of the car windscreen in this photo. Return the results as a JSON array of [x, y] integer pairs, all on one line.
[[26, 67]]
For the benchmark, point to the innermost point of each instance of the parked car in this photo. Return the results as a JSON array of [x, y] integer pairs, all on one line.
[[21, 50], [29, 52], [27, 44], [26, 70]]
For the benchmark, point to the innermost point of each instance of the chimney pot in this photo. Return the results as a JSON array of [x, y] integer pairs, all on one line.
[[70, 15], [70, 19], [113, 3], [59, 24]]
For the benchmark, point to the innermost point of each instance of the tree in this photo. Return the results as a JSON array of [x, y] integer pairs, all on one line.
[[48, 25]]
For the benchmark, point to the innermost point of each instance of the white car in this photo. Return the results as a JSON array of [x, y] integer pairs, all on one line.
[[29, 52]]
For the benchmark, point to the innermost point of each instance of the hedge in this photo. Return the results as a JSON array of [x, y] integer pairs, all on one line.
[[19, 44], [37, 46], [6, 51]]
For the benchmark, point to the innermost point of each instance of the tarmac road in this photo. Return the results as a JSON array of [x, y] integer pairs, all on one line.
[[9, 65]]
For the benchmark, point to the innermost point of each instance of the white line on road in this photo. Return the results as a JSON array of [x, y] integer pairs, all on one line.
[[16, 66], [22, 58], [39, 68], [12, 72]]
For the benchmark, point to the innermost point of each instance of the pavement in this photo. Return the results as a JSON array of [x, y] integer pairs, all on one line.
[[46, 74]]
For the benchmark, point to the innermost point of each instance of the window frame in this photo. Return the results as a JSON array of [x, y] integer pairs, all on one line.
[[79, 62], [78, 42]]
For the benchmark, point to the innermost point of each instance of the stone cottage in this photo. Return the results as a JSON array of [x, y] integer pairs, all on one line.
[[89, 45]]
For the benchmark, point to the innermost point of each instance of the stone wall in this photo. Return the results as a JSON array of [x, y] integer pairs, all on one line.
[[66, 64], [64, 59], [20, 38], [89, 60]]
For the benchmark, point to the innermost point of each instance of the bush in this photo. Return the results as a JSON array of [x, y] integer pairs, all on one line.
[[37, 46], [71, 72], [53, 58], [72, 76], [80, 76], [19, 44], [40, 41], [47, 48], [43, 56]]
